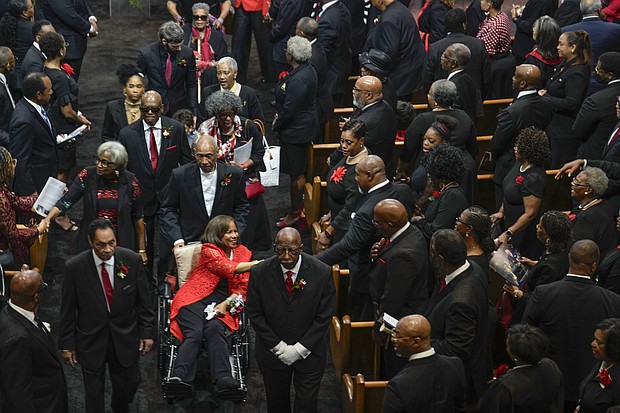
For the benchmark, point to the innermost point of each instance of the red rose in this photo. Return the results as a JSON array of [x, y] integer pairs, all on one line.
[[67, 68], [604, 378], [338, 174], [282, 75], [571, 216], [124, 269], [436, 194], [519, 179], [501, 369]]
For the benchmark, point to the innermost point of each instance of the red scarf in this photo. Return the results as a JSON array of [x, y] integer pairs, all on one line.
[[536, 55], [206, 51]]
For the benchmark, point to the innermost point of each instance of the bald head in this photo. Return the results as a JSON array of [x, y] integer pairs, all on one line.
[[583, 257], [415, 333], [288, 235], [527, 77], [24, 288], [390, 216], [307, 27], [374, 87]]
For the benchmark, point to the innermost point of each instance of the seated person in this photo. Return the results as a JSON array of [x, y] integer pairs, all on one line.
[[221, 276]]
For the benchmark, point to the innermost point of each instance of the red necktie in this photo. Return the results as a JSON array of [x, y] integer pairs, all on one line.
[[107, 284], [442, 286], [614, 136], [153, 150], [289, 282], [386, 243], [168, 72]]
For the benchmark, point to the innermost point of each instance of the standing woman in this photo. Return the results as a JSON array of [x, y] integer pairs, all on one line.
[[546, 33], [431, 20], [16, 34], [565, 92], [126, 110], [296, 121], [474, 225]]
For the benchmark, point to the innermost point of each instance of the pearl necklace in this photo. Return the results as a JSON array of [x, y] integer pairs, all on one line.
[[352, 158], [526, 168], [589, 204]]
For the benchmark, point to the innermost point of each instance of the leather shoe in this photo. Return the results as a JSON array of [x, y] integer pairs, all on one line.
[[226, 383]]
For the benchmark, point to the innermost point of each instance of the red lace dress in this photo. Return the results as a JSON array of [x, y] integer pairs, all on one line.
[[212, 267], [18, 241]]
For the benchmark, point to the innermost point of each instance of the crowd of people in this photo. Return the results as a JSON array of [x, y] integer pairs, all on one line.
[[180, 162]]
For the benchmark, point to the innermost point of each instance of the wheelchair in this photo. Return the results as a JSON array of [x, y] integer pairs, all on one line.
[[168, 344]]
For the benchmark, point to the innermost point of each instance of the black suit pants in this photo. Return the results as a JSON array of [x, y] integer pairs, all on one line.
[[194, 326], [278, 389], [125, 381], [244, 24]]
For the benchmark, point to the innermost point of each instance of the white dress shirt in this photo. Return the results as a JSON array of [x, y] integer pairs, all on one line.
[[6, 87], [209, 185], [156, 132], [303, 351], [456, 272]]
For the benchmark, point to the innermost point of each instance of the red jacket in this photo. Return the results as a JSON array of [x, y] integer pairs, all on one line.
[[253, 5]]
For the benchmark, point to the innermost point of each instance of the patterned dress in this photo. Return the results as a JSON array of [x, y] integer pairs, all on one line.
[[18, 241]]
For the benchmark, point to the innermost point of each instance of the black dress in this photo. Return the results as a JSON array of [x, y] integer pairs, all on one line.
[[516, 186], [483, 262], [442, 211], [342, 196], [66, 91], [609, 271], [595, 399], [597, 224]]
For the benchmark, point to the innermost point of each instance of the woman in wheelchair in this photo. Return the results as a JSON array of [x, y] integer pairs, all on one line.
[[221, 278]]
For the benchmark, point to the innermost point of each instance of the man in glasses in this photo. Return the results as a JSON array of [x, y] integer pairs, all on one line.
[[155, 146], [171, 69], [454, 60], [31, 373], [429, 382], [291, 300]]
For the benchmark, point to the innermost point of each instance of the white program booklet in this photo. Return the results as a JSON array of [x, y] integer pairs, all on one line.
[[243, 152], [51, 193]]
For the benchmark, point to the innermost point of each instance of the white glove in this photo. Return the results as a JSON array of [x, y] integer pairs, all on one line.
[[290, 355], [279, 348]]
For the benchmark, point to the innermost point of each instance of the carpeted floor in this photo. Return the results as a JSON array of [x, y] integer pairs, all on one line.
[[118, 42]]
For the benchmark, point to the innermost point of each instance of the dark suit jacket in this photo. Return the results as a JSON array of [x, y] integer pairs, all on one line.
[[596, 121], [287, 14], [183, 90], [300, 317], [34, 146], [431, 21], [31, 375], [567, 311], [475, 16], [568, 13], [174, 151], [251, 108], [533, 9], [380, 121], [459, 316], [6, 111], [526, 111], [33, 62], [184, 215], [114, 120], [362, 233], [432, 384], [295, 94], [604, 36], [86, 324], [611, 152], [69, 18], [334, 37], [324, 102], [470, 100], [359, 29], [593, 398], [397, 35], [23, 41], [399, 274]]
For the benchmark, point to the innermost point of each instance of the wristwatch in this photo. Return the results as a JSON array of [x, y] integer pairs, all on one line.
[[509, 234]]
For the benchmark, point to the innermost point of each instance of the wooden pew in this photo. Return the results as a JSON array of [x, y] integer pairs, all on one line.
[[341, 281], [352, 347], [361, 396], [312, 199]]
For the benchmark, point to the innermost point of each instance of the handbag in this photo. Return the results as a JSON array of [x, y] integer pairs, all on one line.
[[253, 188], [487, 163], [271, 177]]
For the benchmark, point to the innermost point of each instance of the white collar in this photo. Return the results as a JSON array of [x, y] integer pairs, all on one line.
[[295, 269], [98, 260], [457, 272], [146, 126], [35, 105], [369, 105], [327, 6], [26, 313], [614, 81], [2, 78], [400, 231], [208, 175], [381, 185], [422, 355], [587, 277], [525, 93], [452, 74]]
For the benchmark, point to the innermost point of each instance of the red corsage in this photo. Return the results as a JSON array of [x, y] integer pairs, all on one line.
[[519, 180], [500, 370], [434, 195], [338, 174], [122, 270], [571, 217], [282, 75], [299, 284], [226, 180], [604, 378], [66, 67]]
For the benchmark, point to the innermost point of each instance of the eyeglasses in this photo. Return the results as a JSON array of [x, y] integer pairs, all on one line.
[[575, 182], [103, 162], [227, 115], [355, 89], [203, 18], [458, 219], [148, 109], [284, 250], [444, 57]]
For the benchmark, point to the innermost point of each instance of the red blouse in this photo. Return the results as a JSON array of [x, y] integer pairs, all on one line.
[[212, 267], [18, 241]]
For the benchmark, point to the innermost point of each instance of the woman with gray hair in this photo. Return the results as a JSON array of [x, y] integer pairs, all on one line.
[[593, 218], [296, 121], [546, 33], [232, 131], [110, 192]]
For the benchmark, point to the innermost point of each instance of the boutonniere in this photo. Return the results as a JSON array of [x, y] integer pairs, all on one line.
[[282, 74], [338, 174], [519, 180], [166, 131], [434, 195], [604, 378], [181, 62], [226, 180], [500, 370], [66, 67], [571, 216], [283, 87], [299, 284], [122, 270]]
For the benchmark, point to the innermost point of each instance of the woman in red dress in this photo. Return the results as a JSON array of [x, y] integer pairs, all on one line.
[[220, 278]]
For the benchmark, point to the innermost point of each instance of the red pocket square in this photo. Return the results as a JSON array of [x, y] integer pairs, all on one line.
[[169, 148]]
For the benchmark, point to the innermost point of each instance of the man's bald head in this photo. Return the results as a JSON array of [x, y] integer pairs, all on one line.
[[288, 235], [369, 172], [374, 87], [527, 77], [583, 257], [307, 27], [413, 335], [24, 288], [390, 216]]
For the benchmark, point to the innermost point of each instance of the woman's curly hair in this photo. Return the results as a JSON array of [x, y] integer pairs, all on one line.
[[559, 228], [533, 146], [446, 163], [126, 70], [221, 101], [8, 23]]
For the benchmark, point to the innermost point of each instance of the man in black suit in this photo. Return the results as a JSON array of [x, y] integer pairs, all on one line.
[[171, 69], [528, 109], [32, 137], [478, 66], [196, 193], [429, 382], [7, 103], [291, 300], [76, 22], [376, 63], [334, 37], [597, 117], [396, 34], [31, 374], [524, 18], [156, 145], [568, 13], [285, 15], [458, 310], [106, 317], [398, 274], [357, 242], [453, 60], [567, 311], [35, 59], [308, 28]]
